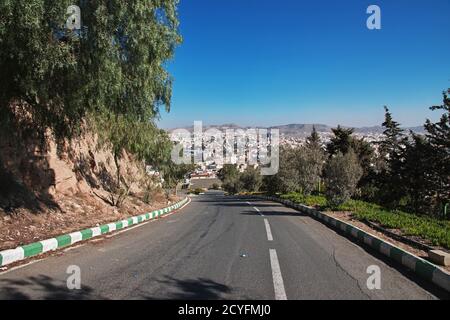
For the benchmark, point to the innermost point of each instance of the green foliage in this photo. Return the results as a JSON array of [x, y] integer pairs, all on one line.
[[287, 178], [391, 147], [37, 70], [309, 200], [173, 173], [271, 184], [196, 191], [228, 172], [313, 141], [390, 162], [251, 179], [112, 73], [341, 142], [114, 68], [342, 174], [230, 177], [415, 172], [235, 182], [300, 168], [142, 139], [435, 230], [215, 186], [412, 177], [309, 163], [438, 137]]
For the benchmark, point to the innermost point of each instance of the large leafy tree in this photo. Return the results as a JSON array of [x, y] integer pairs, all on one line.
[[112, 72], [114, 65], [38, 71]]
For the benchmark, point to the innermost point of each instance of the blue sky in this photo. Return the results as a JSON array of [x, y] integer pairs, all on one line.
[[271, 62]]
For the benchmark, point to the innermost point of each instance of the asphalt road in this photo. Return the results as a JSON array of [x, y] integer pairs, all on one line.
[[217, 247]]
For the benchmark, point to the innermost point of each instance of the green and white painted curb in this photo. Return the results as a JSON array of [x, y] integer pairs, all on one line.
[[421, 267], [33, 249]]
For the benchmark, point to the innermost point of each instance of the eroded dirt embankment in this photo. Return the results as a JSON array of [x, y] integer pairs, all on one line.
[[48, 188]]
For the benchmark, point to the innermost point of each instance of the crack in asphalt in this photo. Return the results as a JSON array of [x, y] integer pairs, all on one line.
[[339, 267]]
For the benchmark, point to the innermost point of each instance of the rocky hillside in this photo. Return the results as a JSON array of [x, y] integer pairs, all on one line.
[[50, 187]]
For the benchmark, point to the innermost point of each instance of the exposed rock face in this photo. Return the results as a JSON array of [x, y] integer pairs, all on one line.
[[31, 171]]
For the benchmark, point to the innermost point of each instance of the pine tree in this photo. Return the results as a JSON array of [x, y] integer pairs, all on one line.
[[391, 146], [314, 141], [438, 135], [415, 175], [341, 142], [391, 161]]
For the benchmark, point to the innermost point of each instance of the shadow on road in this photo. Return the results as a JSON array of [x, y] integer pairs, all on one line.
[[237, 201], [274, 213], [43, 288], [193, 289]]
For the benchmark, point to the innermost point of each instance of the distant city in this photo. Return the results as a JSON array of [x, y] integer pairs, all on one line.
[[296, 134], [291, 135]]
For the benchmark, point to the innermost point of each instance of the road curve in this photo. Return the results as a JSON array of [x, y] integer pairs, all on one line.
[[218, 247]]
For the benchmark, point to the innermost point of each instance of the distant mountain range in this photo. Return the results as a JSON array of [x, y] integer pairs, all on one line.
[[302, 130]]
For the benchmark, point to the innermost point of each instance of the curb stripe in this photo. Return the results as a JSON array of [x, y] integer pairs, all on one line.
[[397, 255], [409, 262], [425, 269], [95, 232], [33, 249], [12, 255], [441, 279], [49, 245], [76, 237], [86, 234], [63, 241]]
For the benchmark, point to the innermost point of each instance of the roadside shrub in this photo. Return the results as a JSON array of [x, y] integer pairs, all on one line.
[[215, 186], [196, 191], [435, 230], [310, 200], [251, 180], [342, 174]]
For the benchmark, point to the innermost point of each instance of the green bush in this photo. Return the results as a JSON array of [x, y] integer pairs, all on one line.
[[434, 230], [342, 174], [310, 200], [196, 191], [215, 186]]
